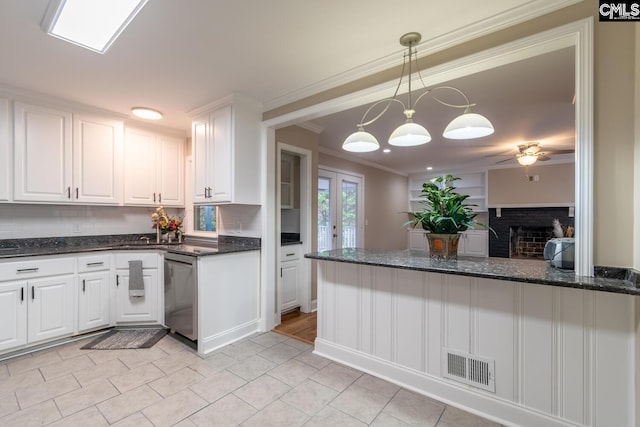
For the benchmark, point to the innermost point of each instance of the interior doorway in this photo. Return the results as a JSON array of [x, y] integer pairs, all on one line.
[[294, 227], [340, 210]]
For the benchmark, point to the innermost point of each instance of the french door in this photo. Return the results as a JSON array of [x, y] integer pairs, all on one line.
[[340, 210]]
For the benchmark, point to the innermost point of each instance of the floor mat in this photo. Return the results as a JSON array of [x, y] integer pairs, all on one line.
[[119, 339]]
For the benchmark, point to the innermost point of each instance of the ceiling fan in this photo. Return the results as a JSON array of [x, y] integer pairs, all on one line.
[[530, 152]]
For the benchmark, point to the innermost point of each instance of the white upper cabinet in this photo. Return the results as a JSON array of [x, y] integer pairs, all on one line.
[[5, 151], [53, 164], [42, 153], [226, 152], [97, 160], [154, 169]]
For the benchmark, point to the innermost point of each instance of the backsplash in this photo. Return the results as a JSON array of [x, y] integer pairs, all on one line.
[[19, 221]]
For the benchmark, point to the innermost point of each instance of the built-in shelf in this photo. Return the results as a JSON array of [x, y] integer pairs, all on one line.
[[472, 184]]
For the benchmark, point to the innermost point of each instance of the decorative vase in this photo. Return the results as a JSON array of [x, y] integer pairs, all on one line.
[[164, 237], [443, 246]]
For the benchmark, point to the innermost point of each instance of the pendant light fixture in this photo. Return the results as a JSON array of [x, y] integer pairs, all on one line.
[[469, 125]]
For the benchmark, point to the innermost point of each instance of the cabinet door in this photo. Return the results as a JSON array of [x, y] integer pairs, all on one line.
[[137, 309], [51, 308], [42, 153], [140, 162], [97, 154], [5, 151], [170, 174], [13, 314], [476, 243], [93, 300], [200, 154], [289, 279], [286, 181], [222, 186]]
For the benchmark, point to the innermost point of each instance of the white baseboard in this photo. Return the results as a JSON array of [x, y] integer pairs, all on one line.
[[314, 305], [460, 396], [214, 342]]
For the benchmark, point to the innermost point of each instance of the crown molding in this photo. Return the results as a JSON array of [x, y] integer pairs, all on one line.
[[311, 126], [508, 18]]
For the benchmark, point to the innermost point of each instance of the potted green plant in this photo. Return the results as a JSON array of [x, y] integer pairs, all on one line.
[[444, 216]]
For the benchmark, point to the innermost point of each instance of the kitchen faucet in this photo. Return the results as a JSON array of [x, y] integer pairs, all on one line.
[[145, 238]]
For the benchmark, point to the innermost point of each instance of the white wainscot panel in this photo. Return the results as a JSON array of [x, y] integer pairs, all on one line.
[[496, 329], [435, 337], [347, 303], [614, 349], [409, 327], [457, 292], [536, 347], [383, 312]]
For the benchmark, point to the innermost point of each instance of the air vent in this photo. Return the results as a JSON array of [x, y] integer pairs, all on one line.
[[469, 369]]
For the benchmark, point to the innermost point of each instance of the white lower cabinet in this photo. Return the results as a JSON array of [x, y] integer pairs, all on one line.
[[289, 277], [145, 309], [36, 301], [94, 305], [51, 308], [13, 315]]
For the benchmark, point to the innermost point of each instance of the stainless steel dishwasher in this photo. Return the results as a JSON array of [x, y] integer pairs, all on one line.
[[181, 295]]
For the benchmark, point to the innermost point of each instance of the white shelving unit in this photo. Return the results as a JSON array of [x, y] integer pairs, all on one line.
[[473, 184]]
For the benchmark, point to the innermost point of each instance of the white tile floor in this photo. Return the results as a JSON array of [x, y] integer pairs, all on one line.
[[265, 380]]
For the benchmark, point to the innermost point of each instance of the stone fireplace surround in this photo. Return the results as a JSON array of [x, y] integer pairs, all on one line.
[[521, 218]]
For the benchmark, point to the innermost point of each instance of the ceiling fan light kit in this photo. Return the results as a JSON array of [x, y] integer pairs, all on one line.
[[469, 125]]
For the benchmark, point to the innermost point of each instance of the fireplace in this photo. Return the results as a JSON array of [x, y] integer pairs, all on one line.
[[523, 232], [528, 241]]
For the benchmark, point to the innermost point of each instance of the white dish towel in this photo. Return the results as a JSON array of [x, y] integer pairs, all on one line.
[[136, 282]]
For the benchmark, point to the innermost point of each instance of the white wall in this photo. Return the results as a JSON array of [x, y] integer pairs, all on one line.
[[19, 221], [239, 220]]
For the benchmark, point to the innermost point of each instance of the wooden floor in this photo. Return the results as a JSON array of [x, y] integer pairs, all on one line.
[[298, 325]]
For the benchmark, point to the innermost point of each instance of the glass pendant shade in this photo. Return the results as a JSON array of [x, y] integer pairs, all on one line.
[[468, 126], [526, 159], [360, 142], [409, 134]]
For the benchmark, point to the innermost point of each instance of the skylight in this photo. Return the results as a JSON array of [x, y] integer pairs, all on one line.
[[92, 24]]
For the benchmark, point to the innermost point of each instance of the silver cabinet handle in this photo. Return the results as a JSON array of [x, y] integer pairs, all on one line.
[[154, 197], [83, 280], [159, 197], [28, 270], [95, 264], [33, 293], [76, 192], [291, 254], [68, 192]]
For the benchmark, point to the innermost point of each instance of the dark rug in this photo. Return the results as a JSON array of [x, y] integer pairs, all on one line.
[[124, 339]]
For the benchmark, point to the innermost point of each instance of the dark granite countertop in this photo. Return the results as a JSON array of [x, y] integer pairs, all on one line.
[[57, 246], [517, 270]]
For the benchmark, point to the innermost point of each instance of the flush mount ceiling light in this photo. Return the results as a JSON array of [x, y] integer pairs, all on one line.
[[146, 113], [92, 24], [466, 126]]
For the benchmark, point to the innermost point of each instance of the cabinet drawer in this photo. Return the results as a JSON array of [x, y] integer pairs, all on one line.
[[36, 268], [94, 263], [149, 260], [290, 252]]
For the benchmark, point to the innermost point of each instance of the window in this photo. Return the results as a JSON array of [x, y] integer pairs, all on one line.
[[205, 218]]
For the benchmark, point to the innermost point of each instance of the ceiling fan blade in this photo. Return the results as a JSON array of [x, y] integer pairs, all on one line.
[[543, 158], [505, 160], [560, 151]]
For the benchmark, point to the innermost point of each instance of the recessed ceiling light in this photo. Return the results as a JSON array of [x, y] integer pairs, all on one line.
[[146, 113], [92, 24], [429, 168], [386, 150]]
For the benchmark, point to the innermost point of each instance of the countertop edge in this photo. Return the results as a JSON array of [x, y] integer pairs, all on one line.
[[571, 280]]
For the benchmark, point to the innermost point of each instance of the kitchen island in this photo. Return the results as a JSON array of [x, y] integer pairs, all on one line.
[[511, 340]]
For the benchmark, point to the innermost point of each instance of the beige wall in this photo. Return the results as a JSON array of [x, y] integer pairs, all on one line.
[[386, 198], [511, 187], [614, 122]]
